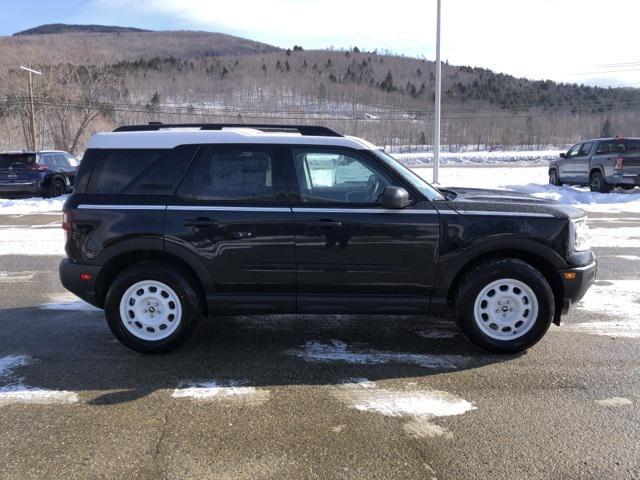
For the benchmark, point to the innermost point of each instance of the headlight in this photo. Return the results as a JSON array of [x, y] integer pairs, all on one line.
[[580, 235]]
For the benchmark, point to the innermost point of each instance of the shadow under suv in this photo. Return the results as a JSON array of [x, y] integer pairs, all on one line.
[[170, 223]]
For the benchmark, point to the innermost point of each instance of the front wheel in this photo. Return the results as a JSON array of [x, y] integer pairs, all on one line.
[[553, 178], [505, 306], [152, 307]]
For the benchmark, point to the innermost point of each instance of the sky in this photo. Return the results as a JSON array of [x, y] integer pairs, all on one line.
[[582, 41]]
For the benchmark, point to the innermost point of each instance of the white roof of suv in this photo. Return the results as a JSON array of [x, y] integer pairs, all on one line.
[[172, 137]]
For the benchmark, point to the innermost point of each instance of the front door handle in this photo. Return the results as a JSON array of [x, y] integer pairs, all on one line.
[[199, 222]]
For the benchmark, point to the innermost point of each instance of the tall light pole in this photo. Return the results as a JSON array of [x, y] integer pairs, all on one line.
[[436, 120], [33, 111]]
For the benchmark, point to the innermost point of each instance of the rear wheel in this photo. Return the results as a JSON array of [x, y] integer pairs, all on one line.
[[553, 178], [57, 188], [505, 306], [152, 307], [597, 183]]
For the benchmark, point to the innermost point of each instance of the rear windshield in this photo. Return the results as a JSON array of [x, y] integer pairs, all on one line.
[[134, 171], [9, 159], [619, 146]]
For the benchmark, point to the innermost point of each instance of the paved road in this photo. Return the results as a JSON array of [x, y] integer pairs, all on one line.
[[353, 397]]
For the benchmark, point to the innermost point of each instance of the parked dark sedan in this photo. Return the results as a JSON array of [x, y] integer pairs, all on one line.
[[47, 173]]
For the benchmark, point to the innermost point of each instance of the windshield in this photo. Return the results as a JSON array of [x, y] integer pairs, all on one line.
[[9, 159], [416, 181]]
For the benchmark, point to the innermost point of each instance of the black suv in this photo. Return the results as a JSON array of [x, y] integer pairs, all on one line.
[[46, 173], [169, 223]]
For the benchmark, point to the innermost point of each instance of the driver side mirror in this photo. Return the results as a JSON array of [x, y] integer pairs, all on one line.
[[394, 198], [563, 155]]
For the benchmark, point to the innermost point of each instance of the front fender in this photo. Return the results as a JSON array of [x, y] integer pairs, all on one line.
[[514, 246]]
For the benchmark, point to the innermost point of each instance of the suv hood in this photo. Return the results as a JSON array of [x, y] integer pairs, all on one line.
[[503, 201]]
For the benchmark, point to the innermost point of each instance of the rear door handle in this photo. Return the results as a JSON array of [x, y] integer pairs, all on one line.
[[199, 222]]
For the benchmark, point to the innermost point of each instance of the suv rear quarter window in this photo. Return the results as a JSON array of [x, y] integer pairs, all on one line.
[[134, 171]]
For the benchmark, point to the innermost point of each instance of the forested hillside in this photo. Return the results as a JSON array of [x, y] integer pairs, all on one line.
[[67, 28], [95, 81]]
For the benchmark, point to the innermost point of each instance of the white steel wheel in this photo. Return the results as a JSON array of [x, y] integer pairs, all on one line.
[[150, 310], [506, 309]]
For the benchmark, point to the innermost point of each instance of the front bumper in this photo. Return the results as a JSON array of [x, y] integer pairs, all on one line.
[[70, 278], [575, 288]]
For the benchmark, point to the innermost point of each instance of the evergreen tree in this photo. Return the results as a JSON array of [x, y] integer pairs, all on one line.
[[607, 128], [387, 83]]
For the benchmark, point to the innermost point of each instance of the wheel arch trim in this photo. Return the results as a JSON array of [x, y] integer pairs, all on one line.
[[535, 253]]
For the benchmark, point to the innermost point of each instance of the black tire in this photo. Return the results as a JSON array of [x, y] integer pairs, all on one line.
[[597, 183], [480, 277], [57, 188], [553, 178], [173, 277]]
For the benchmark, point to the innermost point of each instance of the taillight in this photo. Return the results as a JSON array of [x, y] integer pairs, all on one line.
[[67, 218], [619, 164]]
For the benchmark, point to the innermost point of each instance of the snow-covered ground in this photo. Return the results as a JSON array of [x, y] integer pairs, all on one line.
[[31, 205]]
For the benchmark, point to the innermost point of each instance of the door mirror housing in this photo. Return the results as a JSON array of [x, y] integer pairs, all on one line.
[[394, 198], [563, 155]]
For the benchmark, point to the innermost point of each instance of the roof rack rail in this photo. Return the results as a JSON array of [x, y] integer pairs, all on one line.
[[313, 130]]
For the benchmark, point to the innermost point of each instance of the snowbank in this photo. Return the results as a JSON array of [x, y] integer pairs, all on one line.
[[618, 201], [511, 157], [534, 181], [31, 205]]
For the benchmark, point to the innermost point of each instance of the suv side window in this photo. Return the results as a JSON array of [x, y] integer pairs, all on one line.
[[604, 148], [574, 151], [585, 149], [47, 160], [60, 160], [326, 176], [236, 174]]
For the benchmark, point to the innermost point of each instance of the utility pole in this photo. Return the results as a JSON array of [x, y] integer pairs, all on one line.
[[33, 111], [436, 120]]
